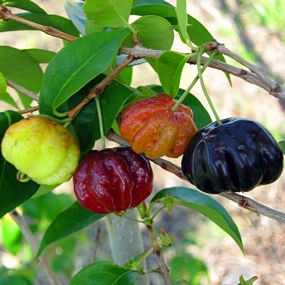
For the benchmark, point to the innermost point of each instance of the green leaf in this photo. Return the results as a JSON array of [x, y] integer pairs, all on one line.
[[181, 13], [44, 189], [3, 86], [170, 66], [18, 66], [76, 15], [125, 76], [205, 205], [90, 55], [282, 145], [41, 55], [160, 36], [104, 273], [12, 192], [201, 115], [19, 276], [90, 28], [23, 4], [55, 21], [85, 124], [68, 222], [145, 92], [196, 31], [108, 13], [9, 100]]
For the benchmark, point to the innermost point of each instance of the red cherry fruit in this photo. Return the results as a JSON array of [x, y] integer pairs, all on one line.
[[112, 180]]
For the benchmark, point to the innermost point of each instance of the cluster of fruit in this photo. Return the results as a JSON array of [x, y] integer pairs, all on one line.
[[237, 155]]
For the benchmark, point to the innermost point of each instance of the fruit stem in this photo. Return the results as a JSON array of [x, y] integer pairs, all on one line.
[[186, 92], [133, 220], [201, 51], [156, 213], [101, 126]]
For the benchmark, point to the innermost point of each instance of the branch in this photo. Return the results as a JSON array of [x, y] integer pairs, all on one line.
[[252, 205], [7, 15], [22, 89], [29, 110], [20, 221], [254, 75], [242, 201], [163, 270], [97, 90]]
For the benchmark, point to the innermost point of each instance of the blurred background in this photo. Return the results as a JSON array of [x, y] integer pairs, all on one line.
[[202, 253]]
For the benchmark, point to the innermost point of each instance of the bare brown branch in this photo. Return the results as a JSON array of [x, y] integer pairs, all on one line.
[[23, 90], [7, 15], [253, 74]]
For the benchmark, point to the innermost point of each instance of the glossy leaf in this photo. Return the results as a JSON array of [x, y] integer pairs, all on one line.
[[108, 13], [145, 92], [90, 28], [201, 115], [90, 55], [12, 192], [9, 100], [18, 66], [23, 4], [205, 205], [25, 100], [170, 66], [282, 146], [125, 76], [181, 13], [104, 273], [41, 55], [55, 21], [68, 222], [159, 36], [196, 30], [3, 86], [76, 15], [85, 124]]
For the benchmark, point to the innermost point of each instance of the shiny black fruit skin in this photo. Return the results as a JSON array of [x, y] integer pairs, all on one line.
[[236, 156]]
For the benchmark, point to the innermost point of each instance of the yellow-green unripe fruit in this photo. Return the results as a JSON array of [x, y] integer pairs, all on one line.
[[42, 149]]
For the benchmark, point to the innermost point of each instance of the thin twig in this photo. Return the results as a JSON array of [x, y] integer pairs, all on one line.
[[254, 75], [96, 245], [20, 221], [7, 15], [163, 270], [252, 205], [23, 90], [97, 90], [242, 201], [29, 110]]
